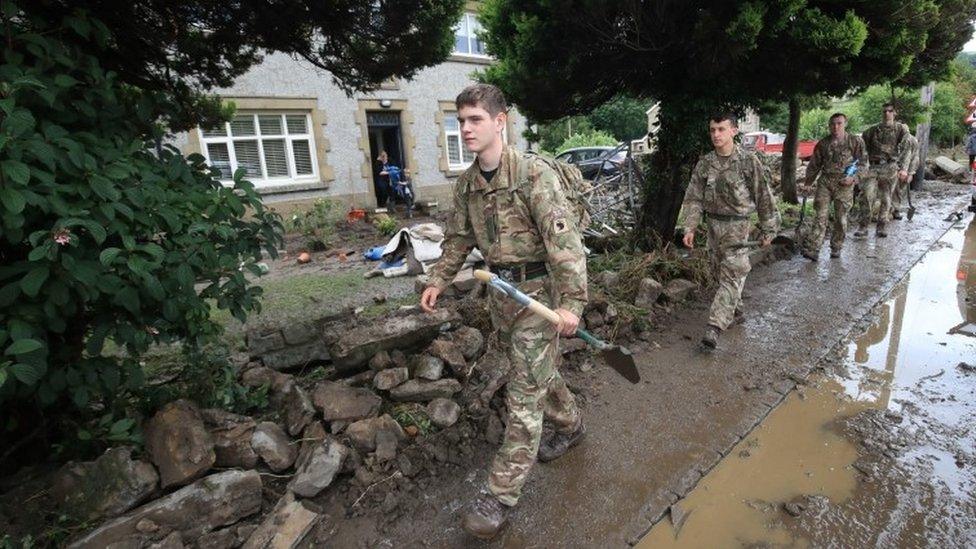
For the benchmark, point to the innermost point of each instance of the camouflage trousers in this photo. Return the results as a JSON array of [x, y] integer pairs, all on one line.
[[877, 185], [900, 193], [534, 392], [830, 190], [730, 266]]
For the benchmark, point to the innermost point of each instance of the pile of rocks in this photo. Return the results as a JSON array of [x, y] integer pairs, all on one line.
[[202, 479]]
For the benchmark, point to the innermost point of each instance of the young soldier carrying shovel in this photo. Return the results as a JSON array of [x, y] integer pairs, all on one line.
[[524, 228]]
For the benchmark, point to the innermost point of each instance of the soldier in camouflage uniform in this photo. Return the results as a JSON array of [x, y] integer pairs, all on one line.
[[727, 186], [512, 207], [831, 157], [887, 149], [901, 191]]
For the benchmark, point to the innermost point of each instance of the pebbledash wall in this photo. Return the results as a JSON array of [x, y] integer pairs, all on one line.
[[342, 166]]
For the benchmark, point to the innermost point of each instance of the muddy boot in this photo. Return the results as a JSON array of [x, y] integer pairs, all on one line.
[[738, 317], [861, 232], [896, 214], [835, 253], [557, 444], [880, 231], [485, 517], [809, 255], [710, 339]]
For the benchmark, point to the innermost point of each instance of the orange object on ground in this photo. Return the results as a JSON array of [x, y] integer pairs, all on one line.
[[356, 214], [304, 257]]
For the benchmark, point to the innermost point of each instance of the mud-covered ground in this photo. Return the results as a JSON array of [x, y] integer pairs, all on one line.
[[649, 444]]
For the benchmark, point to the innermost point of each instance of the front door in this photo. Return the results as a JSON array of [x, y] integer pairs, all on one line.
[[384, 136]]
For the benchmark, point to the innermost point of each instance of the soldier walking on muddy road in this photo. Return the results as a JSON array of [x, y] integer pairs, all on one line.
[[727, 186], [887, 149], [832, 157], [513, 208]]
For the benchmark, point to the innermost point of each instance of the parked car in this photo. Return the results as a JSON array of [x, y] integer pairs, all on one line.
[[594, 161]]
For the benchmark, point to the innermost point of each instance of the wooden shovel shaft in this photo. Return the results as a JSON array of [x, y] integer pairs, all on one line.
[[535, 306]]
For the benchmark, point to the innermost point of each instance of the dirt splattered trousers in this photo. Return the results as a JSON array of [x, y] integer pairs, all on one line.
[[730, 266], [535, 391], [877, 187], [830, 190]]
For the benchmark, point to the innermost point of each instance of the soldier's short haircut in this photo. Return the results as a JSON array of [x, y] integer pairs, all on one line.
[[889, 104], [486, 96], [837, 115], [722, 116]]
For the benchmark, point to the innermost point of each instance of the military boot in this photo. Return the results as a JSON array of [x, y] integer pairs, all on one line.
[[485, 517], [738, 317], [861, 231], [710, 339], [835, 253], [896, 214], [880, 231], [557, 444], [810, 255]]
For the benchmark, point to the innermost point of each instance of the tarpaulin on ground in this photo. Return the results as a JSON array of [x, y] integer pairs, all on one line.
[[415, 249]]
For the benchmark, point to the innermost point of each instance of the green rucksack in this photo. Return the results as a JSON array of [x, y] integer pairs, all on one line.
[[574, 186]]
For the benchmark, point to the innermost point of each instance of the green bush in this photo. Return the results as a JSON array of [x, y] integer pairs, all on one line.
[[385, 225], [813, 124], [106, 235], [907, 103], [948, 111], [592, 138], [317, 224]]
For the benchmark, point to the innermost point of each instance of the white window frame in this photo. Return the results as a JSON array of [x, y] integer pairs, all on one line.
[[450, 133], [466, 23], [264, 180]]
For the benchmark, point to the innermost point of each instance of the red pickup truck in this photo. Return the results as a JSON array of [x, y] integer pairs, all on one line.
[[769, 142]]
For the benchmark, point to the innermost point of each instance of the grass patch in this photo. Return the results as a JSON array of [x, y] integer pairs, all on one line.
[[298, 297]]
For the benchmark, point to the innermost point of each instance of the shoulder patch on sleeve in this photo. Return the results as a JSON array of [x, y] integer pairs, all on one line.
[[560, 225]]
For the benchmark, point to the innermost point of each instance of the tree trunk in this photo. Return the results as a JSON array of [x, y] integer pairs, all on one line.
[[922, 134], [678, 143], [788, 173]]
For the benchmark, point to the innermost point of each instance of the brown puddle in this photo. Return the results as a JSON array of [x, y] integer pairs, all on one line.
[[904, 363]]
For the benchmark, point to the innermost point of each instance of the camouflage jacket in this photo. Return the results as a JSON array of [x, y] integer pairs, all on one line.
[[913, 152], [734, 187], [887, 144], [515, 222], [831, 157]]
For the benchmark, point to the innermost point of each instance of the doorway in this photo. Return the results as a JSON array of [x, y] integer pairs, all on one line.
[[384, 135]]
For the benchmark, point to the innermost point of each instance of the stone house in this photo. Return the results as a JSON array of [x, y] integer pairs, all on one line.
[[301, 138]]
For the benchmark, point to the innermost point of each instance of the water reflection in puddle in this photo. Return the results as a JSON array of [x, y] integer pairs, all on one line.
[[905, 362]]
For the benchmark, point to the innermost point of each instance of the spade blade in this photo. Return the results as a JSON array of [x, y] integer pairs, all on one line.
[[911, 213], [620, 359]]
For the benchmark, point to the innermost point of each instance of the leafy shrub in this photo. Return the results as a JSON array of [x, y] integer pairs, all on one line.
[[318, 224], [386, 225], [105, 233], [592, 138]]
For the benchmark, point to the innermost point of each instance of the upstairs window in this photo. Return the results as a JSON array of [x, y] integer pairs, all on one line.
[[466, 41]]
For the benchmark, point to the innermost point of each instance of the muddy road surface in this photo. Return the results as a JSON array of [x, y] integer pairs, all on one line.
[[878, 449], [649, 445]]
